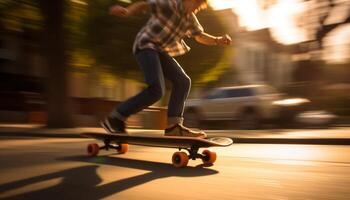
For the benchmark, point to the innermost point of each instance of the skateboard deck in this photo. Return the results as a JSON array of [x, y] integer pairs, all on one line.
[[180, 159]]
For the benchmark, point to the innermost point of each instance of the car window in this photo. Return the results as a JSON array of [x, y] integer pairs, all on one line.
[[230, 93], [266, 90], [241, 92], [217, 94]]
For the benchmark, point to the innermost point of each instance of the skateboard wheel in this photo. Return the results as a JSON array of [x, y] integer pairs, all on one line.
[[209, 157], [180, 159], [93, 149], [123, 148]]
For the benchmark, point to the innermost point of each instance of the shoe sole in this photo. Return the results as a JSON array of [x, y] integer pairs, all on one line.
[[201, 136]]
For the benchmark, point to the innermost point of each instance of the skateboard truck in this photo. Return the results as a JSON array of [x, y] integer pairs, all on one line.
[[93, 148], [193, 152], [180, 158]]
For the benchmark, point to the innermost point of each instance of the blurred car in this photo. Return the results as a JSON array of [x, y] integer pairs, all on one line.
[[247, 105]]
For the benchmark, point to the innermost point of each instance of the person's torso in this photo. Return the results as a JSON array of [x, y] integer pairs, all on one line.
[[166, 29]]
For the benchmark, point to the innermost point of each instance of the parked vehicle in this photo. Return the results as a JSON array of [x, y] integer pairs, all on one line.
[[247, 105]]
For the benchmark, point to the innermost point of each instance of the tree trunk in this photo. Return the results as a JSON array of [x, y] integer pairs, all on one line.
[[59, 104]]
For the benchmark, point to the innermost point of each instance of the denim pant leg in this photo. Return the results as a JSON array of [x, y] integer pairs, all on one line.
[[181, 84], [150, 64]]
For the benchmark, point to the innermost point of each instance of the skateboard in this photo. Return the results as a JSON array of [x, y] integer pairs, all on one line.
[[180, 159]]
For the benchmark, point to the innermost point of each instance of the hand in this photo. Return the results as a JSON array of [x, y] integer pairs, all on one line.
[[223, 40], [118, 11]]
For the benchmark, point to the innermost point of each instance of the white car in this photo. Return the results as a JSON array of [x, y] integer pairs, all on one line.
[[248, 105]]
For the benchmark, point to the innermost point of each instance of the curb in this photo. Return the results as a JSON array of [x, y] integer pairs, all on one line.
[[237, 140], [301, 141], [40, 135]]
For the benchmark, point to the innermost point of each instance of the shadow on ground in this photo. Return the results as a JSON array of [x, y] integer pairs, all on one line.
[[83, 182]]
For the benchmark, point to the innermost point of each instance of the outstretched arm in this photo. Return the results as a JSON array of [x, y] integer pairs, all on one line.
[[207, 39], [131, 10]]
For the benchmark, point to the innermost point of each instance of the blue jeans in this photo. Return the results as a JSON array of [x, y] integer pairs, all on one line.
[[156, 66]]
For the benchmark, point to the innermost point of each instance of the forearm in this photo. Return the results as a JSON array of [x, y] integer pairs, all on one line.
[[206, 39]]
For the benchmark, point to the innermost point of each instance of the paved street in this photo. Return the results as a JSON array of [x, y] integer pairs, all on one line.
[[57, 168]]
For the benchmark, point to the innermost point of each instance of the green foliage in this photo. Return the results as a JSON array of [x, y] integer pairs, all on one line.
[[110, 40], [205, 64], [20, 15]]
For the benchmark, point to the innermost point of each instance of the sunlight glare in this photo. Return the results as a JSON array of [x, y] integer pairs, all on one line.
[[282, 20], [284, 152], [281, 17], [250, 15], [221, 4], [337, 44], [255, 18]]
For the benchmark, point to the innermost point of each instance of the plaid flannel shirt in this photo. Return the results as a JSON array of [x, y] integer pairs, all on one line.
[[167, 27]]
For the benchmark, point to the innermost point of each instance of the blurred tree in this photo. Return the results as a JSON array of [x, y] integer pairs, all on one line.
[[109, 39], [59, 24], [20, 15], [319, 20], [59, 104], [324, 10]]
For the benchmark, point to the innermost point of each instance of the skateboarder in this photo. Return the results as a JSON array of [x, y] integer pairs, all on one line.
[[155, 45]]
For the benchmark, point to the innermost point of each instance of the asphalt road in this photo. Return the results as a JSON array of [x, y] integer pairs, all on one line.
[[59, 169]]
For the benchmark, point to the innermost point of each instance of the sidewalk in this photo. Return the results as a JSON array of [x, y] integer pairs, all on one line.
[[334, 136]]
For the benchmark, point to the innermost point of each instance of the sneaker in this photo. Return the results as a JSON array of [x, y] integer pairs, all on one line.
[[180, 130], [113, 125]]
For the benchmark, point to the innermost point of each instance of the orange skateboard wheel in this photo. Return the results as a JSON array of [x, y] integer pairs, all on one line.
[[209, 157], [180, 159], [123, 148], [93, 149]]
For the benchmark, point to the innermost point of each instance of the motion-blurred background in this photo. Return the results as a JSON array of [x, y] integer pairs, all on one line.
[[66, 63]]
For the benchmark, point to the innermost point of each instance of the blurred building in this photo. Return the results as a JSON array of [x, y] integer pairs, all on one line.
[[21, 74], [262, 60], [257, 57], [94, 90]]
